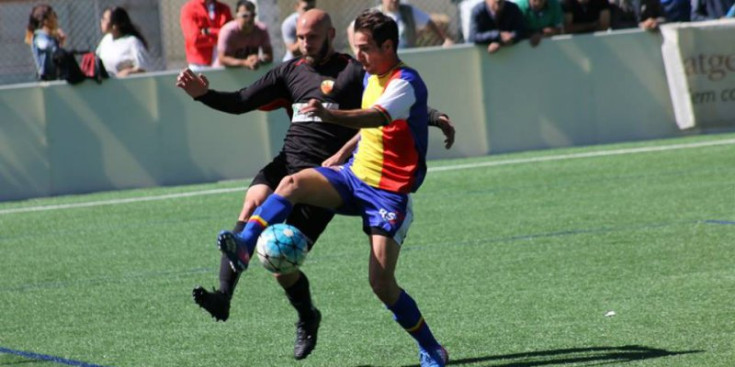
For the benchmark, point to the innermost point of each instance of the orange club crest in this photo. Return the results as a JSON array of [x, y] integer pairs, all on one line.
[[327, 86]]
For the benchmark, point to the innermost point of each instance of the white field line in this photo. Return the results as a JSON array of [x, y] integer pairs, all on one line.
[[119, 201], [603, 153]]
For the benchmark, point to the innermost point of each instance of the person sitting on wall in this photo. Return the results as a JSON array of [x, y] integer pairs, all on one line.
[[123, 49], [644, 14], [710, 9], [542, 18], [244, 42], [45, 38], [585, 16]]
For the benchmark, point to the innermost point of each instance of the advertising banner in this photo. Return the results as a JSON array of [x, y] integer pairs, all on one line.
[[700, 68]]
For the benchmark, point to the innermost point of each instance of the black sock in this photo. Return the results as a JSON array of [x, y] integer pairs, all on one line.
[[300, 298], [227, 277]]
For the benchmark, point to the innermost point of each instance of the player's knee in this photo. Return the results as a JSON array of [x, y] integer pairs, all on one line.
[[289, 186], [248, 208], [382, 287]]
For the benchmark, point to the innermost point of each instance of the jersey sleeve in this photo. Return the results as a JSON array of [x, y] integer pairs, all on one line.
[[267, 93], [397, 100]]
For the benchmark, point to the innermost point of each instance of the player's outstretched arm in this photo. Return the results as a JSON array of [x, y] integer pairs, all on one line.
[[267, 93], [356, 119]]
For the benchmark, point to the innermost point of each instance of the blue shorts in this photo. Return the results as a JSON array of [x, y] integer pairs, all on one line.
[[383, 212]]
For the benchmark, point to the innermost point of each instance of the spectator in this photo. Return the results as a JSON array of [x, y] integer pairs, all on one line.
[[677, 10], [465, 9], [541, 18], [201, 21], [288, 28], [584, 16], [123, 50], [646, 14], [244, 42], [45, 37], [410, 19], [710, 9], [496, 23]]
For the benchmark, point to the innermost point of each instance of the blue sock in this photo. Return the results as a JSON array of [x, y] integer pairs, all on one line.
[[407, 314], [274, 210]]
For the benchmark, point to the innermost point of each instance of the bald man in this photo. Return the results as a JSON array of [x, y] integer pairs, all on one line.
[[335, 80]]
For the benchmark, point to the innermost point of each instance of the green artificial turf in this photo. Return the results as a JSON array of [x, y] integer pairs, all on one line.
[[514, 260]]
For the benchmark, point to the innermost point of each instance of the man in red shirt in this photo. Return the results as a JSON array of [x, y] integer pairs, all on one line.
[[201, 21]]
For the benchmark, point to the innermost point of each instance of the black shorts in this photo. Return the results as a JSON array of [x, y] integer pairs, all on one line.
[[311, 220]]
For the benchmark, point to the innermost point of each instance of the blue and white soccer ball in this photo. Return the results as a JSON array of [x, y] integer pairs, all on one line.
[[282, 248]]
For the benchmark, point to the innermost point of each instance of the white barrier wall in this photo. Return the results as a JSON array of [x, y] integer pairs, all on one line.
[[142, 131]]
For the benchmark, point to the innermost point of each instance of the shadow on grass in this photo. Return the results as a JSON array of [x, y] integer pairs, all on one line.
[[559, 357]]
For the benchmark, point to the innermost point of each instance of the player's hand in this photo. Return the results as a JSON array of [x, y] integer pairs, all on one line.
[[315, 108], [194, 85], [448, 130], [337, 159]]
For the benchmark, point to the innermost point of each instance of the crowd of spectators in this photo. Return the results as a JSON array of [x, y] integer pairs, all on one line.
[[214, 38], [495, 23]]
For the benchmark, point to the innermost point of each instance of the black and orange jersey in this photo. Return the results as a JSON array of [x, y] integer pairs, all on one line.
[[337, 83]]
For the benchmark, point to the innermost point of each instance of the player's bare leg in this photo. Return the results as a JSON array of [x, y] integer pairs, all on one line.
[[383, 258]]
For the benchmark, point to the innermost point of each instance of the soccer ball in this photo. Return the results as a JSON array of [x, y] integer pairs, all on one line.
[[282, 248]]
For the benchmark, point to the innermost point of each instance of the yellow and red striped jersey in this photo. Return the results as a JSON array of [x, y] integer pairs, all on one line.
[[393, 157]]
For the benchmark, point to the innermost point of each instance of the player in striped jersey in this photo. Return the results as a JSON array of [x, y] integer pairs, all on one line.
[[389, 163]]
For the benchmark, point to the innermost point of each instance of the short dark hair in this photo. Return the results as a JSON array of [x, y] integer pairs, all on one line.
[[249, 5], [379, 25]]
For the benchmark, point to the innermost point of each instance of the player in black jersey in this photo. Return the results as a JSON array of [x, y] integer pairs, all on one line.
[[336, 80]]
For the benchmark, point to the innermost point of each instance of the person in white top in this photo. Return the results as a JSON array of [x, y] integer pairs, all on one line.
[[123, 49]]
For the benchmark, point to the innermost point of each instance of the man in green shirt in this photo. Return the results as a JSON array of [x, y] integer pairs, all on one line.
[[542, 18]]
